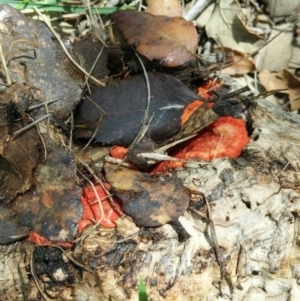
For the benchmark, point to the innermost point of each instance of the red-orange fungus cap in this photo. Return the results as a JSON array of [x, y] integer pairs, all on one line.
[[118, 152], [37, 239], [224, 138]]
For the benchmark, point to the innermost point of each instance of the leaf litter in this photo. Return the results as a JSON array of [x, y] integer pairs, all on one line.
[[170, 41], [162, 199]]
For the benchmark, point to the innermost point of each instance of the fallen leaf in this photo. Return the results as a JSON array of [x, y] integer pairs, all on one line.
[[280, 8], [205, 15], [282, 80], [52, 208], [170, 8], [117, 112], [150, 201], [54, 77], [228, 30], [171, 41], [241, 65], [277, 53], [87, 50], [19, 155], [11, 229]]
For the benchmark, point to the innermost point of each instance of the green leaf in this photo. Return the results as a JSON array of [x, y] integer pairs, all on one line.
[[142, 291], [57, 6]]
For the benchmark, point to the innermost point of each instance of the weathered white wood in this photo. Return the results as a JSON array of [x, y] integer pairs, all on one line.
[[255, 205]]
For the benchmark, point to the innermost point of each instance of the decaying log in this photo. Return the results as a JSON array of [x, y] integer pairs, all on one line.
[[255, 207]]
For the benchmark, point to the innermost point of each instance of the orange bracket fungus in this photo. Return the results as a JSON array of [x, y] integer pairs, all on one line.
[[93, 211], [226, 137]]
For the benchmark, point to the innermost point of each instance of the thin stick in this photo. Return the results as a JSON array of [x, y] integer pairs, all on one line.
[[65, 50], [71, 258], [29, 126], [71, 131], [285, 166], [93, 136], [83, 237], [162, 157], [93, 67], [167, 146], [146, 115], [99, 181], [218, 147], [6, 73], [233, 93], [217, 248], [41, 137], [37, 106], [116, 161]]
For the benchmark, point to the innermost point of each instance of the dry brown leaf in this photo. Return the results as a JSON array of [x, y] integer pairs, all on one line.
[[282, 80], [280, 8], [87, 50], [276, 54], [170, 8], [242, 66], [11, 229], [171, 41], [227, 29]]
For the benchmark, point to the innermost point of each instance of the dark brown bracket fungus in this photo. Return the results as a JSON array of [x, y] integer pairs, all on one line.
[[149, 200]]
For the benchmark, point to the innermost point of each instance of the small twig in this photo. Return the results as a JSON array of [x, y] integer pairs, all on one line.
[[233, 93], [196, 8], [218, 147], [285, 166], [83, 237], [5, 70], [41, 137], [65, 50], [71, 258], [93, 136], [161, 157], [146, 115], [37, 106], [217, 248], [71, 131], [93, 67], [208, 218], [95, 104], [116, 161], [99, 181], [29, 126], [27, 41]]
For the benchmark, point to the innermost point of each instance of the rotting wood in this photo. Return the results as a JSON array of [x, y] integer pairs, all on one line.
[[255, 204]]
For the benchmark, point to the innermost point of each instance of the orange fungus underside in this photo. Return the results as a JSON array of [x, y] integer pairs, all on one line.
[[92, 212]]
